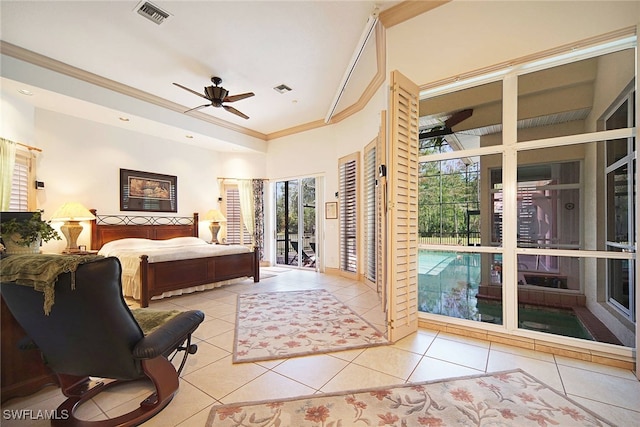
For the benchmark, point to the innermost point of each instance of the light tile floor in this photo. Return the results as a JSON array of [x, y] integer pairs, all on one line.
[[210, 378]]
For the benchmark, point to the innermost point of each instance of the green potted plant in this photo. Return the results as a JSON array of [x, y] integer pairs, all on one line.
[[20, 236]]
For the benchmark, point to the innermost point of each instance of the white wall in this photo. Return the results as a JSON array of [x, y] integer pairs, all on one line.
[[16, 120], [316, 153], [463, 36], [81, 161]]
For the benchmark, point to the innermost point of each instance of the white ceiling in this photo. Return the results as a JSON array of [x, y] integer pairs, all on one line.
[[252, 45]]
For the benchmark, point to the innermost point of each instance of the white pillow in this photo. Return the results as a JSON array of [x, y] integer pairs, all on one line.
[[132, 243], [183, 241]]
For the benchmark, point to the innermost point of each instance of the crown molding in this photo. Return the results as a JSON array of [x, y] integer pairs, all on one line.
[[388, 18], [77, 73], [591, 41], [375, 83], [406, 10]]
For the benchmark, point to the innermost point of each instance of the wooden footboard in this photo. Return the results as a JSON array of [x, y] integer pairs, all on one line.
[[159, 277]]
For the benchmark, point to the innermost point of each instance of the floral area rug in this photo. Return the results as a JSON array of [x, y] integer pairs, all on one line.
[[277, 325], [512, 398]]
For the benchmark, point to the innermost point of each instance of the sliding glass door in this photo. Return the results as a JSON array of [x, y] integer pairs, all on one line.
[[296, 243]]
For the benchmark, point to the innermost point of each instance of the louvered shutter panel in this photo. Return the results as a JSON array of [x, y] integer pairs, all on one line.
[[381, 210], [20, 183], [370, 211], [348, 215], [234, 218], [403, 208]]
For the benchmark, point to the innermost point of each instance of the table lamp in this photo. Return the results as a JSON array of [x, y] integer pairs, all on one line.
[[72, 213], [215, 217]]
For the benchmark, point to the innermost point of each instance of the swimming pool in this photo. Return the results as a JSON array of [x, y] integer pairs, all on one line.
[[555, 321], [448, 285]]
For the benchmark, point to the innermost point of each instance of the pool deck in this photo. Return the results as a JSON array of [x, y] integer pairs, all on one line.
[[596, 328]]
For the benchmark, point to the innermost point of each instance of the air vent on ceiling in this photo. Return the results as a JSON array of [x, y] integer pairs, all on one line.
[[282, 88], [152, 12]]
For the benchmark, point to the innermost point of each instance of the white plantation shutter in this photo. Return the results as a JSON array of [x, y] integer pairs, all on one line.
[[348, 204], [236, 231], [403, 208], [370, 203], [20, 188], [381, 210]]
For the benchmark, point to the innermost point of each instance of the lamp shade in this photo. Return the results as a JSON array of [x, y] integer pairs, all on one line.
[[214, 215], [72, 211]]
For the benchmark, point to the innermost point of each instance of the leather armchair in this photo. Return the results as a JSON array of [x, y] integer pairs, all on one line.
[[90, 332]]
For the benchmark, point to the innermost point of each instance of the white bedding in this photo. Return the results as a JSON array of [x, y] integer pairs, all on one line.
[[128, 251]]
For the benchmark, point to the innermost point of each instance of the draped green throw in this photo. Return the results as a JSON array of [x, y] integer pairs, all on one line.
[[150, 319], [41, 271]]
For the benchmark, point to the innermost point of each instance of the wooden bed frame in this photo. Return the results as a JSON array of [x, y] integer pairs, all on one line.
[[159, 277]]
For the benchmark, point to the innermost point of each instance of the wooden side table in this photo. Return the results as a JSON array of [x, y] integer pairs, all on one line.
[[84, 252], [23, 371]]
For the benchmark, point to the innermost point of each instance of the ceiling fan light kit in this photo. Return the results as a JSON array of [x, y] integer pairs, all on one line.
[[217, 96]]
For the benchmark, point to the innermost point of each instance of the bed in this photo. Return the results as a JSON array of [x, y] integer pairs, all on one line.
[[152, 274]]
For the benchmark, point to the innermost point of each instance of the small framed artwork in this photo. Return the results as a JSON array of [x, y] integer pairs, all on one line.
[[149, 192], [331, 210]]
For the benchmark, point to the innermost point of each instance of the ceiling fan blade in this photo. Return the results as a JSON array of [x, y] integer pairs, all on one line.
[[234, 98], [434, 133], [444, 130], [197, 108], [234, 111], [457, 117], [191, 90]]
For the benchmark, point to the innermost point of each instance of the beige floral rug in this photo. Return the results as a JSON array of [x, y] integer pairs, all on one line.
[[278, 325], [512, 398]]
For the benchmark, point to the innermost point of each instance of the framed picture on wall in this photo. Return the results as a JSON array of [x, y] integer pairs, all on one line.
[[331, 210], [149, 192]]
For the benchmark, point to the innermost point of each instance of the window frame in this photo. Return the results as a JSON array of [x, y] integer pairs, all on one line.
[[510, 147]]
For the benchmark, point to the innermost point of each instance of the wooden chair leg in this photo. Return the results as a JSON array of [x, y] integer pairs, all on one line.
[[163, 376]]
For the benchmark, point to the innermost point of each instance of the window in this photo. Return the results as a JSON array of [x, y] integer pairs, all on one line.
[[21, 191], [348, 208], [237, 233], [455, 209], [556, 172], [621, 191]]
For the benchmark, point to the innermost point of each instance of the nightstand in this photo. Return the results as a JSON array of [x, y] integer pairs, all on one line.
[[85, 252], [23, 371]]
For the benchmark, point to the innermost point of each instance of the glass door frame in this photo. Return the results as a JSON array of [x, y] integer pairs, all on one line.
[[300, 250], [627, 161]]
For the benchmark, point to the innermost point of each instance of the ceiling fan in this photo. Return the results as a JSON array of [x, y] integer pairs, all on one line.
[[443, 130], [218, 95]]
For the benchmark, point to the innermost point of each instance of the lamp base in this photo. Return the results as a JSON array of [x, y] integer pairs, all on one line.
[[214, 227], [71, 230]]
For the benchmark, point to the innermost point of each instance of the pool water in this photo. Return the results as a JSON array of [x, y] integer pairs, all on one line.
[[535, 318], [448, 285]]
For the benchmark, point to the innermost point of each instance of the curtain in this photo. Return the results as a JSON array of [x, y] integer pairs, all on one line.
[[7, 162], [258, 206]]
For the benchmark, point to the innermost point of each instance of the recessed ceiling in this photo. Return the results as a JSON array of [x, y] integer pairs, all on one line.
[[253, 46]]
